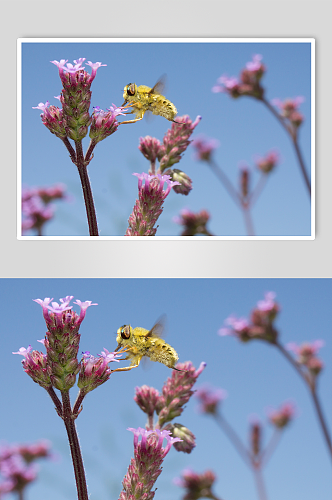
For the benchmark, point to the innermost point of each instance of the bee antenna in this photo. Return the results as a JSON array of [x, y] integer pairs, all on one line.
[[177, 369]]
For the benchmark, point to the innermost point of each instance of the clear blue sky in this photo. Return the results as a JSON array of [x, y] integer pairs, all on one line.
[[254, 375], [244, 128]]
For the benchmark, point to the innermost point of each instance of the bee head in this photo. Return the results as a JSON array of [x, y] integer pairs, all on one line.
[[130, 90]]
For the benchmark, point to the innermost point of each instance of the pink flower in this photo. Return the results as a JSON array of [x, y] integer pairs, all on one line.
[[204, 147], [210, 398], [280, 418], [267, 163], [193, 223], [196, 485]]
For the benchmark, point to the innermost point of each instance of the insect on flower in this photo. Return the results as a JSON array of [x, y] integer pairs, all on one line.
[[145, 98], [140, 342]]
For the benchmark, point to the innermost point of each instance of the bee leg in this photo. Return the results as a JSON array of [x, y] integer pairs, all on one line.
[[131, 121], [127, 368]]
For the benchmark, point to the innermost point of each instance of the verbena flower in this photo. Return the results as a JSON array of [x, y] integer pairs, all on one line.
[[187, 439], [184, 183], [268, 162], [149, 147], [95, 371], [35, 365], [104, 123], [196, 485], [149, 204], [255, 436], [62, 339], [177, 391], [306, 355], [36, 205], [244, 180], [289, 110], [248, 83], [145, 467], [204, 147], [52, 118], [210, 398], [280, 418], [193, 222], [261, 323], [176, 141], [147, 399]]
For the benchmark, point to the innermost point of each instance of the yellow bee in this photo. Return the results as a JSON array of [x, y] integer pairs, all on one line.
[[140, 342], [145, 98]]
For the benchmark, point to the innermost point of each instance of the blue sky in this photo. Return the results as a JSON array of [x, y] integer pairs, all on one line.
[[244, 128], [254, 375]]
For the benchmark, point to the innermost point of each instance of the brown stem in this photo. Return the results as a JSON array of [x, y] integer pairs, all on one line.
[[91, 147], [82, 492], [79, 400], [294, 142], [321, 419], [87, 192], [70, 149], [312, 388], [258, 189], [58, 406]]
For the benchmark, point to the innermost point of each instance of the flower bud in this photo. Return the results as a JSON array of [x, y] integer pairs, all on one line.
[[187, 443]]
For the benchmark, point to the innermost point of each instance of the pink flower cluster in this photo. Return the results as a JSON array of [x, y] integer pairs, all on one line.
[[193, 223], [267, 163], [280, 418], [60, 366], [260, 325], [210, 398], [247, 84], [307, 355], [204, 147], [196, 485], [36, 206], [16, 466], [289, 110]]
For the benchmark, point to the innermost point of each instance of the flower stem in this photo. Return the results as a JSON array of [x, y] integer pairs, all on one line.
[[321, 419], [233, 437], [76, 409], [68, 418], [248, 220], [312, 388], [70, 149], [271, 446], [261, 490], [258, 189], [225, 181], [58, 406], [87, 192], [294, 141]]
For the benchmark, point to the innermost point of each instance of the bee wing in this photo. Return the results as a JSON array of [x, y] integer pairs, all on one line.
[[159, 86], [158, 328]]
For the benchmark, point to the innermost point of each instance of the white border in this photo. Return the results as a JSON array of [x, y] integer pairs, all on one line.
[[20, 41]]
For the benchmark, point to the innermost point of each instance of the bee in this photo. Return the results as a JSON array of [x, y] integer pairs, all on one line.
[[140, 342], [145, 98]]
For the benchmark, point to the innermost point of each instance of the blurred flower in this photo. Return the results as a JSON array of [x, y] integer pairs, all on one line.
[[194, 223], [280, 418], [306, 355], [255, 436], [148, 207], [249, 82], [244, 180], [204, 147], [268, 162], [16, 465], [196, 485], [289, 109], [187, 439], [210, 398], [36, 206]]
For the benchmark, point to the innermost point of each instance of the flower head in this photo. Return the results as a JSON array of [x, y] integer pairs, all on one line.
[[210, 398], [148, 207], [307, 355], [147, 398], [193, 222], [177, 391], [196, 485], [186, 442], [280, 418], [35, 365], [268, 162], [95, 371], [104, 123], [204, 147]]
